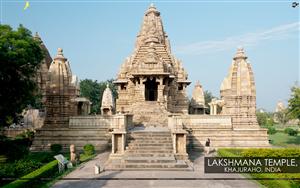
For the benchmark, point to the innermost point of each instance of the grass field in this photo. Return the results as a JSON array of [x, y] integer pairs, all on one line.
[[283, 139]]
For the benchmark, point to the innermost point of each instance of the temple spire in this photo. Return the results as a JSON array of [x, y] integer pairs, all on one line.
[[240, 54], [60, 55], [107, 104], [152, 28], [37, 36]]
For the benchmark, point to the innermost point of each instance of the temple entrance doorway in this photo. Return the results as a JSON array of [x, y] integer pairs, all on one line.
[[151, 89]]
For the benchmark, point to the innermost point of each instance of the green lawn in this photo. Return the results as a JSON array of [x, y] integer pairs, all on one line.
[[283, 139]]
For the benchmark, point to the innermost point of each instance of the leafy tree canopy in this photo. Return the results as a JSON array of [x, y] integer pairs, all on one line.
[[294, 103], [208, 96], [93, 90], [265, 119], [20, 57]]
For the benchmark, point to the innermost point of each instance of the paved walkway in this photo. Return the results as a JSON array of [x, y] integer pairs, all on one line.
[[87, 171]]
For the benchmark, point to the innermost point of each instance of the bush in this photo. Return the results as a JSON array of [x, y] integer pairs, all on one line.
[[286, 130], [21, 167], [271, 130], [56, 148], [32, 179], [266, 152], [26, 134], [14, 149], [89, 149], [291, 132]]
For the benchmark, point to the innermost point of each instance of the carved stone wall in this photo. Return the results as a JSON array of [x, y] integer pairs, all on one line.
[[238, 93], [152, 77], [220, 130]]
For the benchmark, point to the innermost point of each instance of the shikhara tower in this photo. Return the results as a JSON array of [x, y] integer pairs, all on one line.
[[152, 82], [239, 94]]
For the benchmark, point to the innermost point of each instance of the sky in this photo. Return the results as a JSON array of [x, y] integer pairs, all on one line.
[[97, 36]]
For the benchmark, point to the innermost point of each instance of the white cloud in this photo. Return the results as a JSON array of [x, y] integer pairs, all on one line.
[[249, 39]]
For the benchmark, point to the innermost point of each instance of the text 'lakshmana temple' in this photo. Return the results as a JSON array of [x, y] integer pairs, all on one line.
[[151, 124]]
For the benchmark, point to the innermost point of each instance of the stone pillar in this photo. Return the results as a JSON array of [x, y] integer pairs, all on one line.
[[113, 143], [142, 88], [211, 108], [160, 93], [179, 144], [215, 109], [118, 142]]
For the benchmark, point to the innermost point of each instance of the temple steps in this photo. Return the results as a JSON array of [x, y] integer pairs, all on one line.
[[150, 166], [152, 160], [138, 151], [148, 150], [148, 154], [145, 145]]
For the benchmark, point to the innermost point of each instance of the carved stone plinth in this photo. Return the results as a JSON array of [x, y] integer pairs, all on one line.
[[179, 144], [118, 141]]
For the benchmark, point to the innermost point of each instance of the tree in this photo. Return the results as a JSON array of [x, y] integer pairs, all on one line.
[[261, 118], [208, 96], [20, 57], [93, 90], [265, 119], [294, 103], [281, 116]]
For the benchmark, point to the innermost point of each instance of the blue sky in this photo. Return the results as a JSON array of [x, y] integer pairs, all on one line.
[[97, 36]]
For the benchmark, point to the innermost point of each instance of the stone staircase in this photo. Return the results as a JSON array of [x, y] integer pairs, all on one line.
[[148, 112], [148, 150]]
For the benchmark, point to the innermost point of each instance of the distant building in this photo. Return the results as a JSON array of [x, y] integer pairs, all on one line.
[[197, 104]]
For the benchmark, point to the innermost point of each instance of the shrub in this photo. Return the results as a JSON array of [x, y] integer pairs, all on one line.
[[89, 149], [267, 152], [42, 157], [26, 134], [271, 130], [14, 149], [291, 132], [56, 148], [32, 179], [286, 130]]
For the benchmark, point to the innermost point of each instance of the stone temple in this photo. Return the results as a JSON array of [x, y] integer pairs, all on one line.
[[152, 124]]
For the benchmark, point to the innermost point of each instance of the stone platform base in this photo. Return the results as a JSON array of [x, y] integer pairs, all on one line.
[[45, 137]]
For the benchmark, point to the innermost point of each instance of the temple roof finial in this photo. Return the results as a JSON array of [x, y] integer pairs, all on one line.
[[37, 37], [59, 51], [37, 34], [240, 54], [152, 9], [60, 54]]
